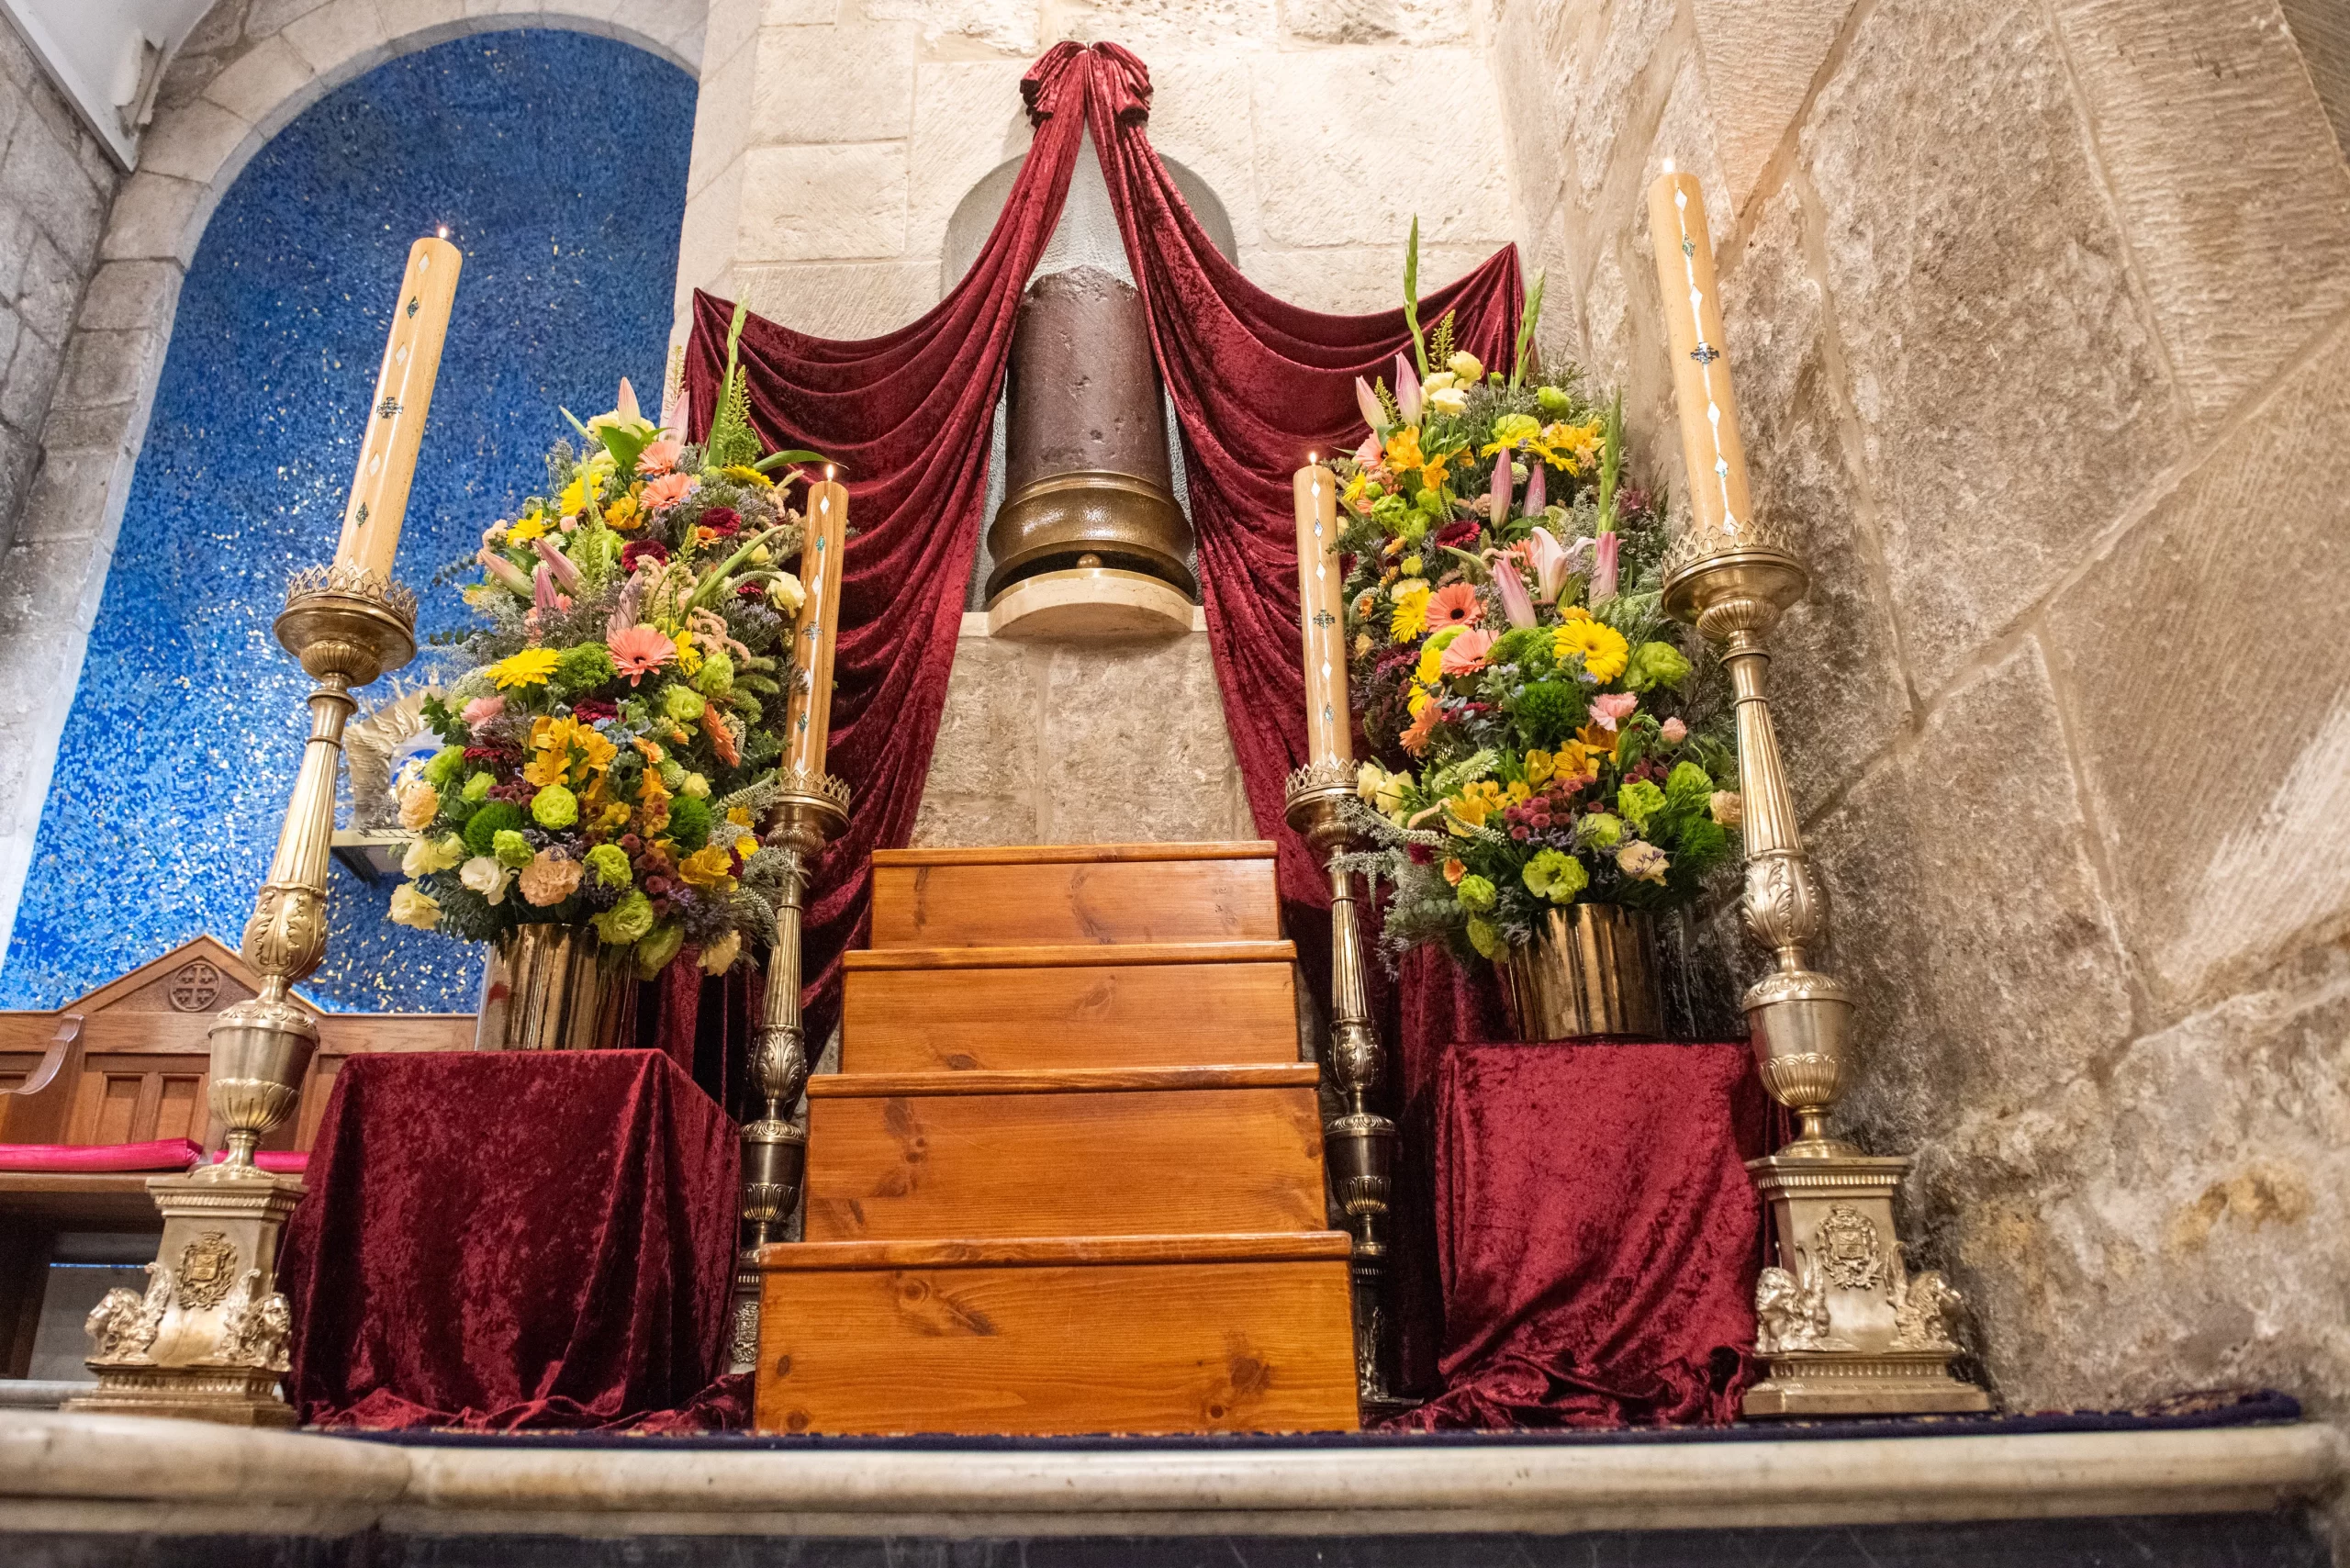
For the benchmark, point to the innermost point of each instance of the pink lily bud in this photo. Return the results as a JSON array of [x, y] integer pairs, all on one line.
[[1537, 497], [505, 571], [1498, 503], [1603, 566], [543, 595], [1365, 400], [1408, 391], [555, 561], [1512, 588]]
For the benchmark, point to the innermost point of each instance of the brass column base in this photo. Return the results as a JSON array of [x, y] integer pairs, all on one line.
[[1845, 1329], [208, 1339]]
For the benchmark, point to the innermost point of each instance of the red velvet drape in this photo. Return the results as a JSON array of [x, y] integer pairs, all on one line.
[[908, 417]]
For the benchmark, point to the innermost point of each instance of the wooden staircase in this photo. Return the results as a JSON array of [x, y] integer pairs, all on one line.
[[1068, 1177]]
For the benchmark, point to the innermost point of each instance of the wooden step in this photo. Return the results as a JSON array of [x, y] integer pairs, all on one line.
[[917, 1009], [1073, 894], [1064, 1152], [1054, 1336]]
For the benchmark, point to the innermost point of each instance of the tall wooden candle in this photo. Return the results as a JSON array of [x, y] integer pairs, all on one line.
[[1329, 728], [808, 715], [1692, 316], [371, 521]]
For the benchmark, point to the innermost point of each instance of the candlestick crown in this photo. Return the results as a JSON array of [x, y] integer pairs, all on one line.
[[346, 621]]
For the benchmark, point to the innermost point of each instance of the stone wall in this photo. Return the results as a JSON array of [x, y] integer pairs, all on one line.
[[835, 141], [56, 181], [2038, 313]]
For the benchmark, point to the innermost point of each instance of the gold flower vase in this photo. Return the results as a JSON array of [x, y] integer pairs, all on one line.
[[555, 988], [1591, 969]]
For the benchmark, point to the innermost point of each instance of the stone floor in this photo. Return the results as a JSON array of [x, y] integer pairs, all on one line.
[[2209, 1541], [89, 1490]]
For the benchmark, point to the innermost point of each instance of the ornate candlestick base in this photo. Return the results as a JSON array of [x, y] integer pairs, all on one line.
[[207, 1340], [1357, 1146], [811, 811], [1845, 1329]]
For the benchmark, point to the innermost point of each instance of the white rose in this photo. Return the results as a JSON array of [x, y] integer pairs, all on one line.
[[1449, 402], [411, 905], [485, 876], [1440, 382], [1465, 366], [1727, 807], [786, 594], [419, 805]]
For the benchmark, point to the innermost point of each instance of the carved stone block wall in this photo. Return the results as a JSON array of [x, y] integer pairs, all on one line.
[[2038, 314]]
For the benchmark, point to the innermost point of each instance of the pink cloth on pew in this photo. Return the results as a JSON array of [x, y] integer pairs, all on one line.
[[277, 1162], [67, 1159]]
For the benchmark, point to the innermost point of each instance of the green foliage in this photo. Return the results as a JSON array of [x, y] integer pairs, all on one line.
[[1655, 664], [580, 669], [1637, 802], [690, 821], [1550, 712], [494, 818], [732, 440]]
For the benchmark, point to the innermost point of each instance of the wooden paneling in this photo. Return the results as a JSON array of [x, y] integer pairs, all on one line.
[[1065, 1080], [1142, 1348], [1069, 1164], [127, 1097], [1068, 1015], [1064, 901]]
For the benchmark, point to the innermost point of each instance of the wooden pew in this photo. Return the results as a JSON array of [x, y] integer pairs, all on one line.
[[128, 1064]]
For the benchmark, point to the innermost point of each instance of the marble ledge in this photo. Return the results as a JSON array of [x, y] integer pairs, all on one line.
[[64, 1472]]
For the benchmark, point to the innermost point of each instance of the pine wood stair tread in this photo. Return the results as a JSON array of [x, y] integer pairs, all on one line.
[[1061, 1081], [1074, 854], [1080, 955], [1061, 895], [1059, 1251]]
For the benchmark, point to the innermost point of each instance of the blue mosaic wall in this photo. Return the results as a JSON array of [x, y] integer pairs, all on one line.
[[558, 163]]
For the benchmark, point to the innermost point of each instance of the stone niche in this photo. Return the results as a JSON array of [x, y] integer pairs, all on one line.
[[1083, 706]]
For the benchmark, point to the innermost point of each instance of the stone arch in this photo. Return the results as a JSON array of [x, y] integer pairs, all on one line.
[[246, 71], [1088, 207]]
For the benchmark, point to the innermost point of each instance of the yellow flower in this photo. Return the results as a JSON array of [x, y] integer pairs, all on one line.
[[555, 741], [1576, 761], [1411, 617], [530, 528], [1605, 652], [1570, 447], [1421, 697], [689, 656], [1431, 663], [574, 498], [622, 514], [738, 815], [1403, 450], [709, 867], [1541, 767], [748, 475], [532, 667], [1476, 803]]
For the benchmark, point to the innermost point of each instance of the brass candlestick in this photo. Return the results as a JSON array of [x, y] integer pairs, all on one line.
[[812, 811], [1359, 1143], [1845, 1329], [208, 1338]]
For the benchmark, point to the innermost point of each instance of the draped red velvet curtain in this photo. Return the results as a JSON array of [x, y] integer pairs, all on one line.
[[908, 417]]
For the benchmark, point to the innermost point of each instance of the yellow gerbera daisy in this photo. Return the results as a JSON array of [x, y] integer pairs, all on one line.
[[1411, 617], [528, 528], [532, 667], [1604, 652]]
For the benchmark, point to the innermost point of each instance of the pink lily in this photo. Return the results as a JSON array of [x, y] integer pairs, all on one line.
[[542, 594], [555, 561], [1536, 495], [1498, 503], [1603, 568], [505, 571], [1512, 590], [1368, 452], [1365, 400], [1408, 391], [1552, 564], [1613, 707]]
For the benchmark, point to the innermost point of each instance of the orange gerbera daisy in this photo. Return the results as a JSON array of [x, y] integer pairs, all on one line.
[[1454, 606], [1423, 727]]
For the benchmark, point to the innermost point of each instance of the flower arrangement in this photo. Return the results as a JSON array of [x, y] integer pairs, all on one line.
[[1548, 737], [606, 753]]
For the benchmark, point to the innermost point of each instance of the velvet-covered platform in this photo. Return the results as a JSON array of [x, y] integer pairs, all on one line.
[[77, 1490]]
